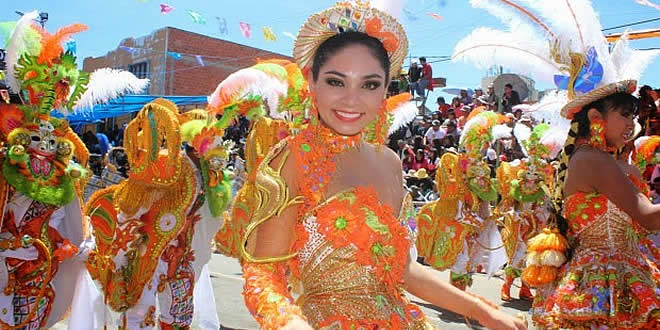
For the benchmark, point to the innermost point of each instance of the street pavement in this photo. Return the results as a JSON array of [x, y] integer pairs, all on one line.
[[228, 285]]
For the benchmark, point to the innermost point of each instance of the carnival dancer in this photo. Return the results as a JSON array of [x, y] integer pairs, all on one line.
[[325, 214], [607, 282], [42, 237], [153, 230], [457, 231], [524, 208]]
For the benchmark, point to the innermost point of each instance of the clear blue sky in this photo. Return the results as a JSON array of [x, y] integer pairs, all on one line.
[[110, 21]]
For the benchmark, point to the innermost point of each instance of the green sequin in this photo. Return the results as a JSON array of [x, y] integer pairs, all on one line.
[[305, 147], [340, 223]]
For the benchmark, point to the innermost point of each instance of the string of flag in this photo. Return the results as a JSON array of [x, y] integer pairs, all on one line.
[[246, 29]]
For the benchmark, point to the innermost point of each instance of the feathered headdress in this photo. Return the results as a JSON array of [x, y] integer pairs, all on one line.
[[562, 44], [478, 133], [646, 153]]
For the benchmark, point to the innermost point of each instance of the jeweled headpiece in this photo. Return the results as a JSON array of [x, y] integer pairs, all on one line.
[[352, 16]]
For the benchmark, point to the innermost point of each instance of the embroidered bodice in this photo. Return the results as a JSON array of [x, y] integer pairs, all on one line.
[[352, 261], [600, 227]]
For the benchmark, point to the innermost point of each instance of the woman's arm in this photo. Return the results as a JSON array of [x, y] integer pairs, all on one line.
[[593, 170], [265, 292], [421, 282]]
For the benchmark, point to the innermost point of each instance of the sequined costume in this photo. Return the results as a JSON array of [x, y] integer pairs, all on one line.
[[525, 207], [43, 238], [349, 252], [457, 231], [607, 282], [153, 230]]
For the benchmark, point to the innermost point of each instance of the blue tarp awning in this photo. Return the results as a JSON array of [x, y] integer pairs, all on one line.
[[123, 105]]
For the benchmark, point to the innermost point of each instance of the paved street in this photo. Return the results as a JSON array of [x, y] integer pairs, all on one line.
[[228, 284]]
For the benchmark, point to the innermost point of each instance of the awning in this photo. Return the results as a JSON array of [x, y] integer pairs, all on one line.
[[123, 105]]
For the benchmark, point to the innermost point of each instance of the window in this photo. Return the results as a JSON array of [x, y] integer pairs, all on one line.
[[140, 70]]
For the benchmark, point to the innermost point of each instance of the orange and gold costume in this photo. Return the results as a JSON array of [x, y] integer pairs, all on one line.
[[349, 253]]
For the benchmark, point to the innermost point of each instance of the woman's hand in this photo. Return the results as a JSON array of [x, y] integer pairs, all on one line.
[[495, 319], [297, 324]]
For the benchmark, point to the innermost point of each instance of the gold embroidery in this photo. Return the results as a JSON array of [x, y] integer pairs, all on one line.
[[271, 199]]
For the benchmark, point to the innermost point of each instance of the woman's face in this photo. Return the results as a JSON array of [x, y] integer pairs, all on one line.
[[350, 90], [620, 128]]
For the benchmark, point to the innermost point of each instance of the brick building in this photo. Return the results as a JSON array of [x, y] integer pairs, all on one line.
[[169, 58]]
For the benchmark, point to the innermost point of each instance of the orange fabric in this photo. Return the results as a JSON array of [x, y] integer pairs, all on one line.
[[267, 296]]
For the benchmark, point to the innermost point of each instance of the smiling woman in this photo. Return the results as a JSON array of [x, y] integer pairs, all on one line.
[[334, 215]]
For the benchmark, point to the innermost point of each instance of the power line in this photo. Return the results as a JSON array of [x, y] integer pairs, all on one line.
[[633, 23]]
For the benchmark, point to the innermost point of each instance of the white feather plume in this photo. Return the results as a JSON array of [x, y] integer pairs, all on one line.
[[547, 110], [515, 19], [554, 140], [17, 46], [250, 81], [392, 7], [471, 124], [628, 62], [527, 54], [575, 23], [522, 133], [501, 132], [403, 114], [107, 84]]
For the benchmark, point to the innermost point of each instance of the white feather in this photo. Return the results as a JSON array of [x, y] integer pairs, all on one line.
[[575, 23], [552, 258], [554, 140], [403, 114], [640, 141], [16, 47], [107, 84], [522, 133], [501, 132], [249, 81], [393, 7], [513, 18], [630, 63], [533, 258], [471, 124], [525, 53], [547, 110]]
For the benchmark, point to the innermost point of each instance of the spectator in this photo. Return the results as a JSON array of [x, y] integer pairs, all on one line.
[[404, 85], [414, 73], [464, 97], [510, 98], [517, 114], [451, 115], [442, 106], [434, 133], [103, 143], [492, 98], [407, 161], [655, 190], [456, 103], [451, 130], [526, 119], [478, 92], [465, 110], [418, 142], [426, 80], [90, 140], [403, 149], [421, 161], [483, 101]]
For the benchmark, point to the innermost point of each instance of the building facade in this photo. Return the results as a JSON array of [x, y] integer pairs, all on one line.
[[178, 62]]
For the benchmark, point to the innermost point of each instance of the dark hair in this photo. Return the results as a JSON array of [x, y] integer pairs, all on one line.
[[621, 102], [581, 128], [342, 40], [440, 98], [422, 59], [508, 85]]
